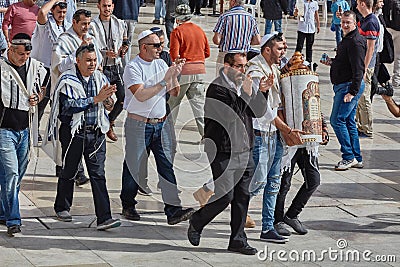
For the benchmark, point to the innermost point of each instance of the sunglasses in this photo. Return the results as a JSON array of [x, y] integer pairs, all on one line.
[[155, 45], [62, 5], [89, 47]]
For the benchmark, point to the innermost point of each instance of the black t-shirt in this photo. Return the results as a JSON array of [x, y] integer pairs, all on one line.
[[13, 118]]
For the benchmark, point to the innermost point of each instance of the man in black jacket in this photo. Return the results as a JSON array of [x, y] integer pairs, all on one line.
[[229, 108], [347, 71]]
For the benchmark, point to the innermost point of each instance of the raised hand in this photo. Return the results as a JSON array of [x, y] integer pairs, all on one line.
[[266, 83]]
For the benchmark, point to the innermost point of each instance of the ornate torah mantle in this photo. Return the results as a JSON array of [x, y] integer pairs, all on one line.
[[301, 99]]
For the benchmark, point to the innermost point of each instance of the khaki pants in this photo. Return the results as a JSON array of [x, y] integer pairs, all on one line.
[[364, 108], [193, 87]]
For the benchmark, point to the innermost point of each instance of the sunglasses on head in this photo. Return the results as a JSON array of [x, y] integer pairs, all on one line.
[[155, 45], [62, 5], [89, 47]]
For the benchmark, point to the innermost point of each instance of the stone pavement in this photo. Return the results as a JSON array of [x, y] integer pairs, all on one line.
[[352, 213]]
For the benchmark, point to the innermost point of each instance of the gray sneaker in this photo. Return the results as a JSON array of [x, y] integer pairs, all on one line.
[[64, 216], [344, 165], [281, 229], [359, 165], [108, 224]]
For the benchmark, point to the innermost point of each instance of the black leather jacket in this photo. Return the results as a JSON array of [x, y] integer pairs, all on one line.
[[228, 117]]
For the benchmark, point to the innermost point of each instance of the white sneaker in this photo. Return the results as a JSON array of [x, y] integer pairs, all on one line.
[[344, 165]]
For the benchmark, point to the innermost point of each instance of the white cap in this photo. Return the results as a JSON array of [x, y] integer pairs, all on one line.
[[266, 38], [144, 34]]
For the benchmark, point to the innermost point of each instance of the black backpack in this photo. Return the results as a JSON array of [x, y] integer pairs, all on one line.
[[387, 53]]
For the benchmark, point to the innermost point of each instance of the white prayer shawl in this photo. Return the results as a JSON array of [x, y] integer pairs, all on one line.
[[118, 29], [70, 85], [258, 67], [52, 28], [64, 50], [11, 83], [43, 39]]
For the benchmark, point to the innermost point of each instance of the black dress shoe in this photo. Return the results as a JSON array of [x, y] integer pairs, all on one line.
[[13, 229], [81, 179], [193, 235], [2, 222], [246, 250], [131, 214], [181, 215]]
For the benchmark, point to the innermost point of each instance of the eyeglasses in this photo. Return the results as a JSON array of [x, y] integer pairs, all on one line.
[[62, 5], [239, 66], [155, 45], [25, 42], [89, 47]]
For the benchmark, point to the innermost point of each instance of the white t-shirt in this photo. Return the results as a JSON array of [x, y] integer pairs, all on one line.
[[265, 123], [139, 71], [308, 25]]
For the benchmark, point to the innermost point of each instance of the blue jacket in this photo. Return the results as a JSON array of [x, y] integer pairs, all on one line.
[[127, 9]]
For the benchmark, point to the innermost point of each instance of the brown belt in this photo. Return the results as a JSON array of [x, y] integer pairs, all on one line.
[[146, 120]]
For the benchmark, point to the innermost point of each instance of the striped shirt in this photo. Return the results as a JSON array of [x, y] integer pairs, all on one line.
[[237, 28]]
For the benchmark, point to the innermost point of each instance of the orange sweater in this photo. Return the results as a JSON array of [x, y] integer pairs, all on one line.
[[189, 41]]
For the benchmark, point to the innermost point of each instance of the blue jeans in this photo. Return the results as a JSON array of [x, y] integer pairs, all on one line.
[[343, 121], [158, 138], [277, 24], [267, 155], [159, 9], [338, 32], [291, 4], [14, 157]]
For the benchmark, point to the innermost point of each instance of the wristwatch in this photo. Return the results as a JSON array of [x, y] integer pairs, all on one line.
[[163, 83]]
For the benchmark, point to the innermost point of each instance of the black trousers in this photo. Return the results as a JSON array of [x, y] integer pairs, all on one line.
[[232, 175], [195, 6], [91, 144], [308, 165], [309, 38], [114, 75]]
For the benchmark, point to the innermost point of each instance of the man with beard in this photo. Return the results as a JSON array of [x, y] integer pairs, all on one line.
[[268, 129], [110, 33], [231, 103]]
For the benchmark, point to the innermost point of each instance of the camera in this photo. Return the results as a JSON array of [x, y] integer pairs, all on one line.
[[385, 90]]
